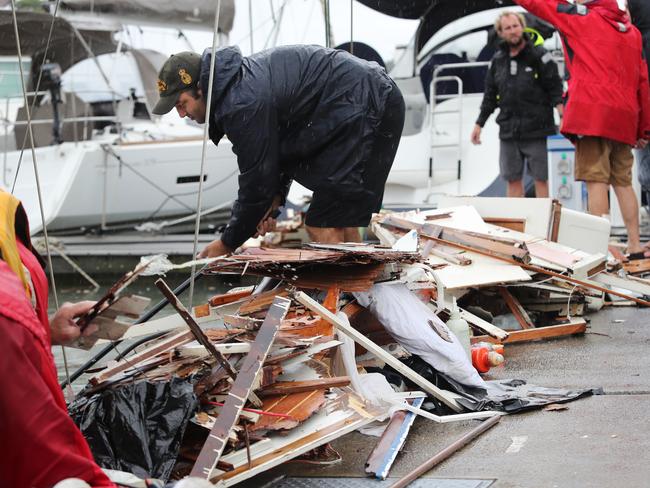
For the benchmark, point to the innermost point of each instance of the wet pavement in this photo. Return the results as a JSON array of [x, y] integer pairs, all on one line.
[[599, 441]]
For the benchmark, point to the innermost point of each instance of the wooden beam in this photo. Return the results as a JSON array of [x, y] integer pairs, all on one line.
[[549, 332], [517, 310], [288, 387], [444, 396], [240, 390]]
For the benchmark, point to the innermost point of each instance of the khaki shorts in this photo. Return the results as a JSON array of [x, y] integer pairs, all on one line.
[[603, 161]]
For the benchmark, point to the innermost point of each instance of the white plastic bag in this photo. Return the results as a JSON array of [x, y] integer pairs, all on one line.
[[414, 325]]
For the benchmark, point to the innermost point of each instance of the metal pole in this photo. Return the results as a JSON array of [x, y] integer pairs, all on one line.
[[250, 23], [445, 453], [208, 105], [328, 27], [351, 26]]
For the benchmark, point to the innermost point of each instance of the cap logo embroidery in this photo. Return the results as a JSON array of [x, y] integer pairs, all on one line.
[[185, 76], [162, 86]]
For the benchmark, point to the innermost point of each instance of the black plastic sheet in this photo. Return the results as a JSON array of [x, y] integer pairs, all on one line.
[[137, 427], [510, 396]]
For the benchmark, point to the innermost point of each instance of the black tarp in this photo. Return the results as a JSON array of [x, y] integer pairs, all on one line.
[[510, 396], [137, 427]]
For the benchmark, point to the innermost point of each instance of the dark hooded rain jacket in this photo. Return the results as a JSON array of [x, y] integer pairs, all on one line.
[[297, 112]]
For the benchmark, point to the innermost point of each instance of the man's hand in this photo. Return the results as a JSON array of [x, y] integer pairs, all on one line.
[[63, 328], [215, 249], [476, 134], [265, 225], [641, 143], [560, 109], [268, 222]]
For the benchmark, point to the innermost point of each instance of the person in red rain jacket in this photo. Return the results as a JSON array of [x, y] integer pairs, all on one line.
[[41, 446], [607, 102]]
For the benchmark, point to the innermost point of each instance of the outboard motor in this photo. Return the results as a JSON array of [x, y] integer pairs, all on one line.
[[51, 80]]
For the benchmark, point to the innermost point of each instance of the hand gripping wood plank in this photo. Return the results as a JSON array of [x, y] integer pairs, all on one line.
[[214, 445]]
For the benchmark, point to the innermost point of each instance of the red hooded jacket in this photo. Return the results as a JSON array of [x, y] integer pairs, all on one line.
[[40, 444], [608, 93]]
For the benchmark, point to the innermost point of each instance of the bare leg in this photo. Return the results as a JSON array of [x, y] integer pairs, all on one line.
[[352, 234], [630, 209], [326, 235], [515, 189], [541, 189], [598, 201]]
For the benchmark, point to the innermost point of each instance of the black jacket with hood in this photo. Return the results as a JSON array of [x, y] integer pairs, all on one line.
[[525, 88], [296, 112], [640, 13]]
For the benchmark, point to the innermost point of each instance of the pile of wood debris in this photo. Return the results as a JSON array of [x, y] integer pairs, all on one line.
[[269, 370]]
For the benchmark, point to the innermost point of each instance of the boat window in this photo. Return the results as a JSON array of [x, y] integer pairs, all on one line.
[[10, 85], [86, 81], [467, 46]]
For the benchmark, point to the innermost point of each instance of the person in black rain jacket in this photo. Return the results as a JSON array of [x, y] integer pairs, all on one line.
[[319, 116], [640, 13], [523, 81]]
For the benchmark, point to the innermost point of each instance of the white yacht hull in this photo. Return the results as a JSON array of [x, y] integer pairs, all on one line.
[[84, 185]]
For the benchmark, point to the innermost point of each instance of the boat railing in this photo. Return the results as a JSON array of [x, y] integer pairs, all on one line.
[[437, 98]]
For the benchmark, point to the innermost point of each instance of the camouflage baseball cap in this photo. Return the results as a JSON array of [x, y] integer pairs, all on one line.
[[179, 73]]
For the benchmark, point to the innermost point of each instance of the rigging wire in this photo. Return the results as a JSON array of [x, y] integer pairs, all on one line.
[[351, 26], [250, 23], [36, 175], [208, 104], [36, 89]]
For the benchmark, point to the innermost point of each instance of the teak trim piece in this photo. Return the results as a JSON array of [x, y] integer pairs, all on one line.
[[444, 396], [537, 333], [240, 390]]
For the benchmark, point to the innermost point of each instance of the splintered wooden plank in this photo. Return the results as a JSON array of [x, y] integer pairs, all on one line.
[[161, 346], [240, 390], [288, 387], [550, 332], [256, 303], [517, 310], [444, 396], [300, 406], [226, 298]]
